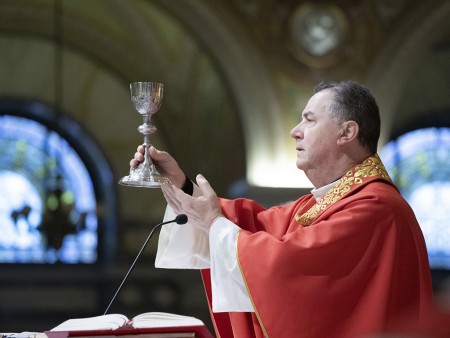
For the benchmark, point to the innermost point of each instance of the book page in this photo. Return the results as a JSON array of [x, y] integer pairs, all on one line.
[[105, 322], [162, 319]]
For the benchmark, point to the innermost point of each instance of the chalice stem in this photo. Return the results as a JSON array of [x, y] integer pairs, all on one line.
[[147, 131], [147, 158]]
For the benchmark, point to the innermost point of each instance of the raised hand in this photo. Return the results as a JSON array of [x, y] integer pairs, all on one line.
[[202, 211], [164, 163]]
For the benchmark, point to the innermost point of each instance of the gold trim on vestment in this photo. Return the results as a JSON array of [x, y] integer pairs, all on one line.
[[370, 169]]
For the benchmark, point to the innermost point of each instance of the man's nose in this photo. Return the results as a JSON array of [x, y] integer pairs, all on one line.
[[296, 132]]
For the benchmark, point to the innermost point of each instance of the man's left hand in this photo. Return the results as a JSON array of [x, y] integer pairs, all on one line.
[[202, 211]]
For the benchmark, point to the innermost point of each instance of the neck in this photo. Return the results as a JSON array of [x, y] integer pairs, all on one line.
[[335, 170]]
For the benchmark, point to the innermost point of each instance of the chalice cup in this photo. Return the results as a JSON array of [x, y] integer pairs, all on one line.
[[146, 97]]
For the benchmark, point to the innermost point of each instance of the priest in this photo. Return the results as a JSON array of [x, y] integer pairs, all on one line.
[[347, 260]]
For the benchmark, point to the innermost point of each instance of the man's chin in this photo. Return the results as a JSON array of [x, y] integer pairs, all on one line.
[[301, 164]]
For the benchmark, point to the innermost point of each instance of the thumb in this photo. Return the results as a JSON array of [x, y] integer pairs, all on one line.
[[204, 186], [153, 149], [155, 153]]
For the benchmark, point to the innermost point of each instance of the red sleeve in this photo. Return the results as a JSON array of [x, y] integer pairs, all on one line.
[[251, 216]]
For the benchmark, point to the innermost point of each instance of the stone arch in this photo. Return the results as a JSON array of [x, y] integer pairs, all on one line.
[[402, 53]]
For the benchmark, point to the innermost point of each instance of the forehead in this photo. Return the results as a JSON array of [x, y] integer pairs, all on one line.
[[319, 102]]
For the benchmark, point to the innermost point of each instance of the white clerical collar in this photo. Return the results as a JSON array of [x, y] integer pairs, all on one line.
[[318, 193]]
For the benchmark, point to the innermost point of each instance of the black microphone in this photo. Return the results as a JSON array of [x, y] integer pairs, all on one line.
[[180, 219]]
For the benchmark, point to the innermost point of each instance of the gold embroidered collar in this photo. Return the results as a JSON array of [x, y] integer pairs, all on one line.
[[370, 169]]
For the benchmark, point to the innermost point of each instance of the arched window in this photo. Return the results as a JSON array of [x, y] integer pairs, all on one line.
[[418, 162], [57, 194]]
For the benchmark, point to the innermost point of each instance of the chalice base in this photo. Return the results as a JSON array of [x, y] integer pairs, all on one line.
[[144, 176]]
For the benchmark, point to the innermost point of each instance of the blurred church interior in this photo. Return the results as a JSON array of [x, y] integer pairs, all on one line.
[[236, 75]]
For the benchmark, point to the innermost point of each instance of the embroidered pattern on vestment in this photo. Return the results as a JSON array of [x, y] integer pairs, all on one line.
[[370, 169]]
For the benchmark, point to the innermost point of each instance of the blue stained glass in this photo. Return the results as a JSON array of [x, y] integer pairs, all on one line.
[[47, 199], [418, 163]]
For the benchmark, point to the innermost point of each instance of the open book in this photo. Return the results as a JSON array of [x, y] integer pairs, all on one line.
[[118, 324]]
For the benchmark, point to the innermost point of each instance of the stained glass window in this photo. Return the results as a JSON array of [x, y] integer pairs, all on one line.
[[47, 198], [418, 162]]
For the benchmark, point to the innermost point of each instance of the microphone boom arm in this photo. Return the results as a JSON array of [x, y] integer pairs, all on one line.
[[180, 219]]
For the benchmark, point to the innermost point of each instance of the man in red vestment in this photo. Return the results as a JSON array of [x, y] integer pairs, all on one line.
[[348, 260]]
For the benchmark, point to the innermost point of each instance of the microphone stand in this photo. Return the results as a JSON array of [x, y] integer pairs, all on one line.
[[180, 219]]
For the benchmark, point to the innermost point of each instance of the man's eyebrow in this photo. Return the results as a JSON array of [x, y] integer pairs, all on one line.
[[307, 114]]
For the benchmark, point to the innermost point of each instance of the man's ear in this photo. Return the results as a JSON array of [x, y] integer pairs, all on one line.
[[349, 132]]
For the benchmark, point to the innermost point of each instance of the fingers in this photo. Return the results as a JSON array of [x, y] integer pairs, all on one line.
[[140, 149], [205, 187], [138, 157], [178, 200], [202, 211], [168, 191]]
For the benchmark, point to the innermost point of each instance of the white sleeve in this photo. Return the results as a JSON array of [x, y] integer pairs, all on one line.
[[229, 292], [182, 246]]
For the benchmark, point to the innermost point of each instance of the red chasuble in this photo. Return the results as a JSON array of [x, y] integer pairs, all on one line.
[[350, 265]]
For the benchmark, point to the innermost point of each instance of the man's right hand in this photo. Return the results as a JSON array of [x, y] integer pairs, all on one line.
[[164, 163]]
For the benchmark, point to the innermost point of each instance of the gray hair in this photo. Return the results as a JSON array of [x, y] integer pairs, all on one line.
[[353, 101]]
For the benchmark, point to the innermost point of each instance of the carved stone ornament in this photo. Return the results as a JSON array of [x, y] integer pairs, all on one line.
[[316, 33]]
